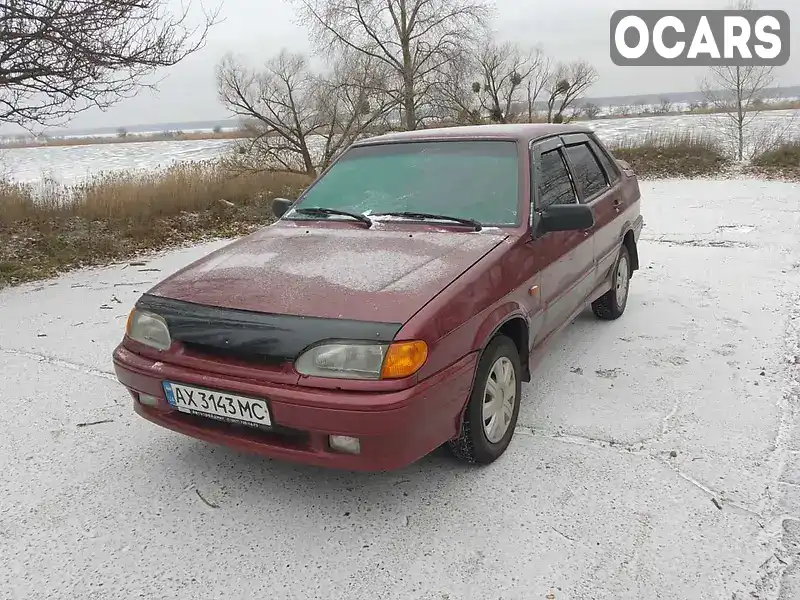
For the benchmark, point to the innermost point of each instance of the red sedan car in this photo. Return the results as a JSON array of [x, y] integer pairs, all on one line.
[[397, 305]]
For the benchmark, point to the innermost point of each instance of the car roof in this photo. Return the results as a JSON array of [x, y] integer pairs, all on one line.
[[523, 132]]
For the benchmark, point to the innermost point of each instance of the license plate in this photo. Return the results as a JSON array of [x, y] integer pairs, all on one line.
[[218, 405]]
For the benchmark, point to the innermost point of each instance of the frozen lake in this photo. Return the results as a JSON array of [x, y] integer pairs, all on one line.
[[70, 164], [611, 130]]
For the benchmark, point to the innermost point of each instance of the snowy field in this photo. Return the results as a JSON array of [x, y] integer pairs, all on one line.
[[657, 456], [70, 164]]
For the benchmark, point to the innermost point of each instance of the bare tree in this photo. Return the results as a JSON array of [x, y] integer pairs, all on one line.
[[641, 107], [537, 80], [566, 84], [575, 111], [354, 103], [61, 57], [734, 92], [300, 121], [623, 110], [737, 93], [456, 98], [504, 70], [415, 39], [665, 105], [591, 110]]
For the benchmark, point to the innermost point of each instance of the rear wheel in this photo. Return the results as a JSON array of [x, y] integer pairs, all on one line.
[[612, 304], [491, 413]]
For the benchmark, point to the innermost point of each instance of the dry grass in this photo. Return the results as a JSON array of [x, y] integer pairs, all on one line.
[[782, 161], [672, 154], [786, 155], [130, 138], [118, 215]]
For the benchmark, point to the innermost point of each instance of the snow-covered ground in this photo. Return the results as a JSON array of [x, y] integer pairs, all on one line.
[[69, 164], [657, 456]]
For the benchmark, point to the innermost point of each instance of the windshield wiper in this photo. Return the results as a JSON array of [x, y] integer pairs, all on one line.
[[316, 211], [424, 216]]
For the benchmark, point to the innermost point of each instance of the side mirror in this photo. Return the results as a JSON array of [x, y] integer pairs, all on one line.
[[280, 206], [567, 217], [624, 164]]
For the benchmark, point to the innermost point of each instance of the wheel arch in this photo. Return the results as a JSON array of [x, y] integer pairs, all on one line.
[[629, 241], [510, 321]]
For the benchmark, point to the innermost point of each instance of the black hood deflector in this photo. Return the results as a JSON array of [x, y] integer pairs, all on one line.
[[253, 335]]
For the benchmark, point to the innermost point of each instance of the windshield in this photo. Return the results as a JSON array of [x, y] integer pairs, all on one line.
[[466, 179]]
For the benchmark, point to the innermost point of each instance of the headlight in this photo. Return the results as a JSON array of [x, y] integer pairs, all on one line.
[[354, 360], [149, 329]]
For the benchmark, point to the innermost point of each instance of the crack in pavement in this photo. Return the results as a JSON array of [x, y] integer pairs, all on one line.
[[61, 363], [770, 579], [631, 449], [700, 243], [711, 493]]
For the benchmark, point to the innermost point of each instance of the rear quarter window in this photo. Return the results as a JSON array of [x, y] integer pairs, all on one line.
[[589, 174], [606, 160]]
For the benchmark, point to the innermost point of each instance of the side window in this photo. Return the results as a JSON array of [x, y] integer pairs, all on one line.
[[608, 163], [589, 174], [555, 185]]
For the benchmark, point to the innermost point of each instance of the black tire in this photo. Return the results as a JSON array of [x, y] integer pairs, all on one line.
[[472, 445], [607, 307]]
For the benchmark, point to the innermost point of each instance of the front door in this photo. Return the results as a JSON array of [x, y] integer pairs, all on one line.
[[598, 188], [566, 257]]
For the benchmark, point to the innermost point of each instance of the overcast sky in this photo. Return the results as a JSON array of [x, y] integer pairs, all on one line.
[[567, 29]]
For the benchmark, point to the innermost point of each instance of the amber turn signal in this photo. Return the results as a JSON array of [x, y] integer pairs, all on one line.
[[129, 322], [403, 359]]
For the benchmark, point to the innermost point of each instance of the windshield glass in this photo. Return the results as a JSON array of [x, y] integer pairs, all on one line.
[[467, 179]]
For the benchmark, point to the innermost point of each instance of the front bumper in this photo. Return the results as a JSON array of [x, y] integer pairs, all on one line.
[[395, 429]]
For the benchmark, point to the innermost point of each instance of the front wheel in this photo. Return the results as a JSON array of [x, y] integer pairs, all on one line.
[[491, 413], [612, 304]]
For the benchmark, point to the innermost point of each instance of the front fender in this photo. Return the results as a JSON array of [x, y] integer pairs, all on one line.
[[495, 320]]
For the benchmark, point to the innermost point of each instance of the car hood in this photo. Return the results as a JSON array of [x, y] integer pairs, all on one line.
[[377, 274]]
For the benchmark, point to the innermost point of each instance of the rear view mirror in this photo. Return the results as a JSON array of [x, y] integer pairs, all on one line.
[[567, 217], [280, 206]]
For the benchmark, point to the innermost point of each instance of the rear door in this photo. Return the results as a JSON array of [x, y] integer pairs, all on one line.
[[567, 257], [598, 188]]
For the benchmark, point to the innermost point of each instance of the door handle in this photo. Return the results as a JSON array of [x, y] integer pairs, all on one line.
[[617, 203]]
